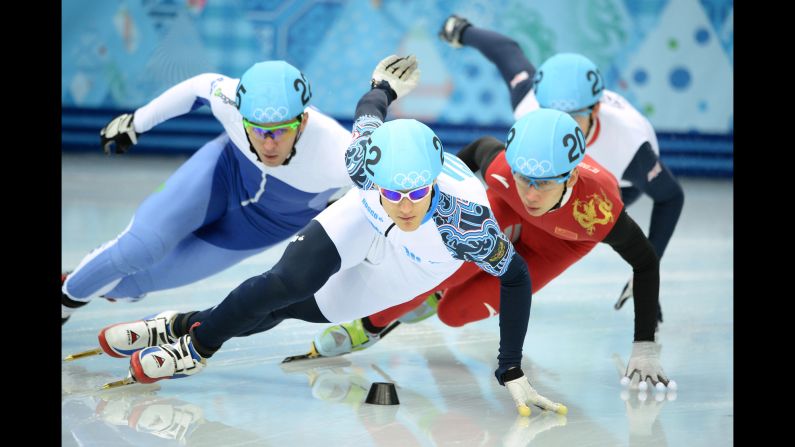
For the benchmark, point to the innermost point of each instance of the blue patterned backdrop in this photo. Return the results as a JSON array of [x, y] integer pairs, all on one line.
[[673, 59]]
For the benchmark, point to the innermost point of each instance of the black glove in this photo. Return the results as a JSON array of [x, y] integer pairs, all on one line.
[[120, 131]]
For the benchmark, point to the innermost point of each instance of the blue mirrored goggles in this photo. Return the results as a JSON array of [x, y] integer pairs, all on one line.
[[542, 183], [415, 195], [261, 132]]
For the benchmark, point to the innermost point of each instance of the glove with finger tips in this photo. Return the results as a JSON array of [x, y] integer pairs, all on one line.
[[524, 394], [645, 363], [119, 131], [402, 74]]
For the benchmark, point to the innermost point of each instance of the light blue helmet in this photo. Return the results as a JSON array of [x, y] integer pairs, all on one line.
[[403, 154], [545, 143], [272, 91], [568, 82]]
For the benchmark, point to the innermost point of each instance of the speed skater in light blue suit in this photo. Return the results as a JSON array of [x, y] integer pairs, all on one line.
[[266, 176]]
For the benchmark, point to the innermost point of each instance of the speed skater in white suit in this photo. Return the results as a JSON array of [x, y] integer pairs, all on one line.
[[416, 216]]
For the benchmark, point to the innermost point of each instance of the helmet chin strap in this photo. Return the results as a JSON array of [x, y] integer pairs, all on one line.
[[293, 151], [251, 148], [590, 126], [566, 191], [563, 197], [300, 119]]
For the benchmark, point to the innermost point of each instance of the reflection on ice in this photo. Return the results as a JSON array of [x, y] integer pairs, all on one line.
[[443, 375]]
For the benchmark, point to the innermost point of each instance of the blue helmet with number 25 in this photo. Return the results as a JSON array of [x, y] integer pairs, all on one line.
[[568, 82], [271, 92], [403, 154], [545, 143]]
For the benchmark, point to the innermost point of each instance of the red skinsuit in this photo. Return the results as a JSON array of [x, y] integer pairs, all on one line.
[[549, 244]]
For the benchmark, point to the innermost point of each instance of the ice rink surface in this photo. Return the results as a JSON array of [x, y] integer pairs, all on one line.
[[444, 376]]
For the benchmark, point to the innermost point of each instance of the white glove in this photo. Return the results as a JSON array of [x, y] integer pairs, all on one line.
[[644, 363], [119, 131], [402, 73], [524, 394]]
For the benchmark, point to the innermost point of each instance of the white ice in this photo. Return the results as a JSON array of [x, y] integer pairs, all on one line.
[[444, 376]]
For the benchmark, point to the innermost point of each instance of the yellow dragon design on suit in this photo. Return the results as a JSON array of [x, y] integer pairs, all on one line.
[[585, 212]]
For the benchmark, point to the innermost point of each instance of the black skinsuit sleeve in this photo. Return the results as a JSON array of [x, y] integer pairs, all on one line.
[[628, 240], [515, 299], [480, 153], [515, 68]]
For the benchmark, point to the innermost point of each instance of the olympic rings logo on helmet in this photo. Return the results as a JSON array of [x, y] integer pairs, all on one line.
[[532, 167], [564, 105], [412, 179], [270, 114]]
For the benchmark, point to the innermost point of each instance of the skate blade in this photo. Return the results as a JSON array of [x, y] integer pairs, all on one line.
[[129, 380], [312, 354], [80, 355], [295, 358]]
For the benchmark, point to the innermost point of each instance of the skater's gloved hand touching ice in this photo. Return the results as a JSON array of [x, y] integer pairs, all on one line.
[[524, 394], [644, 364]]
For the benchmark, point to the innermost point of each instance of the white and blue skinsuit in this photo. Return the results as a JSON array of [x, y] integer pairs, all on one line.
[[218, 208], [362, 262]]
